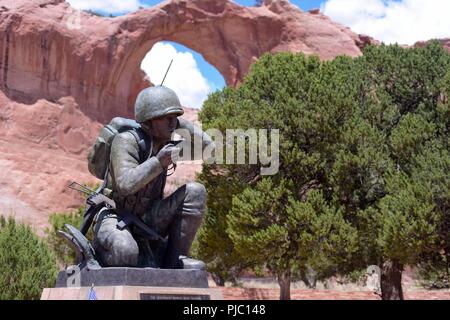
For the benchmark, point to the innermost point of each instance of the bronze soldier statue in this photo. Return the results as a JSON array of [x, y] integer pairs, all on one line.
[[145, 229]]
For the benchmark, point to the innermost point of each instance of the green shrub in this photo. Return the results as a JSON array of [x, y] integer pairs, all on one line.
[[27, 265]]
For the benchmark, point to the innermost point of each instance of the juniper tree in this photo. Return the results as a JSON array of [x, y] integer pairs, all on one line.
[[286, 93], [270, 227], [405, 98]]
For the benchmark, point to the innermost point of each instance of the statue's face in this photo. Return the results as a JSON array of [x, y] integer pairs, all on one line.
[[163, 127]]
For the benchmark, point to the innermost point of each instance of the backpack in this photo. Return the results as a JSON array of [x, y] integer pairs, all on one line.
[[98, 162], [99, 155]]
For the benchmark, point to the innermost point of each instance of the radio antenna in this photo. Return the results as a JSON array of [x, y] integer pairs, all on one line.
[[167, 72]]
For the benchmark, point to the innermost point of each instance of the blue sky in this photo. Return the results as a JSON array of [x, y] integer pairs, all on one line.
[[390, 21]]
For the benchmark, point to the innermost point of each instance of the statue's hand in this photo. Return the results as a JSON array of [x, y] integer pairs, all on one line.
[[165, 155]]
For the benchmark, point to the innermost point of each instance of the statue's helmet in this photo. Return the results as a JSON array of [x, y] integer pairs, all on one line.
[[155, 102]]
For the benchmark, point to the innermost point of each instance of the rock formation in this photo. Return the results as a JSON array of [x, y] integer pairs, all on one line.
[[49, 50], [42, 148], [444, 42]]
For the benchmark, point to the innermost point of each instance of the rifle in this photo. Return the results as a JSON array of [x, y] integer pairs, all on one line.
[[94, 198], [94, 203]]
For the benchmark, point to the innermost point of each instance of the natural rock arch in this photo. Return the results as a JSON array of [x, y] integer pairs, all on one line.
[[49, 50]]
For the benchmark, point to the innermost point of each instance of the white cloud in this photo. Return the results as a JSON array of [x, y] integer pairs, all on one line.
[[401, 21], [109, 6], [184, 76]]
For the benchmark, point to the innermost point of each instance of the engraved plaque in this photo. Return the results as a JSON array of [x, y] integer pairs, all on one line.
[[166, 296]]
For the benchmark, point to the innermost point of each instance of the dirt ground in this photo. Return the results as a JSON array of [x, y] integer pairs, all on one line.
[[253, 288]]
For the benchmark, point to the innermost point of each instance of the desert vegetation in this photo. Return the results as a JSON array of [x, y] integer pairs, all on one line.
[[27, 264]]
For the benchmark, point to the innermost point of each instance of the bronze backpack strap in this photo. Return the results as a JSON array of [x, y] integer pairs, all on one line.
[[145, 144]]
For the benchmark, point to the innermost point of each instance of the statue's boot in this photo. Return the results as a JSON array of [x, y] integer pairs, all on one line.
[[190, 263], [176, 257], [187, 206]]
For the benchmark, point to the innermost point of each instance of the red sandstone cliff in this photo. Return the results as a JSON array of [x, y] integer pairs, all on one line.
[[444, 42], [49, 50]]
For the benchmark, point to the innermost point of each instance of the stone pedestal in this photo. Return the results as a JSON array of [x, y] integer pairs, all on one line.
[[132, 284], [132, 293], [75, 277]]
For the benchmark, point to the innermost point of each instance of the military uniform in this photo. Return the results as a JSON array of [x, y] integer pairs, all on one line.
[[137, 180]]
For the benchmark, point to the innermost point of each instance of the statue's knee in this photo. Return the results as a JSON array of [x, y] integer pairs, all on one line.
[[196, 191], [125, 251]]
